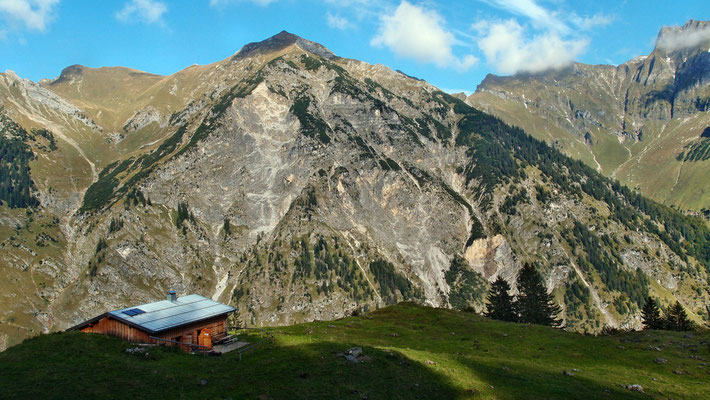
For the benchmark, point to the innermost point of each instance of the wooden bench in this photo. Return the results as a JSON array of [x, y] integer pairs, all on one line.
[[223, 338]]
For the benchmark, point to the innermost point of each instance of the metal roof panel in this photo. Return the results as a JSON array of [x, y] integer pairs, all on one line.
[[164, 314]]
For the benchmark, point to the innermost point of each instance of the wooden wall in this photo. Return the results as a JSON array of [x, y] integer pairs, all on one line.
[[186, 333], [111, 327]]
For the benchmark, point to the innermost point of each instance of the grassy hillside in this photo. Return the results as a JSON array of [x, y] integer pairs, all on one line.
[[410, 352]]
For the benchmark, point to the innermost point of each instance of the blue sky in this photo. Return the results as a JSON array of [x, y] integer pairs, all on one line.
[[452, 44]]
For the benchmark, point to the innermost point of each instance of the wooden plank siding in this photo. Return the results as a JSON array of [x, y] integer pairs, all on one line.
[[189, 333], [111, 327], [185, 333]]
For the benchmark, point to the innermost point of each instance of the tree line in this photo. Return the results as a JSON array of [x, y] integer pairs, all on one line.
[[533, 304], [674, 319]]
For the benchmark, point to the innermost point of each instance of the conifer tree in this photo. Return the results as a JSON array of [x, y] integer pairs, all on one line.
[[533, 304], [677, 320], [500, 303], [651, 315]]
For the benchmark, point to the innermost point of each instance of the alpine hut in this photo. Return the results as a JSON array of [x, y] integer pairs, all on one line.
[[191, 321]]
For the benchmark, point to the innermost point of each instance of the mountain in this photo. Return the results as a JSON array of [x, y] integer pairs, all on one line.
[[644, 122], [297, 185]]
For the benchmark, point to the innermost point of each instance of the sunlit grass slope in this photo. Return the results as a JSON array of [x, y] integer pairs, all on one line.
[[409, 352]]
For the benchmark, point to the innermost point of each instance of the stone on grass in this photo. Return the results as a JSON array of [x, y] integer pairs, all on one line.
[[352, 354], [635, 388], [660, 360]]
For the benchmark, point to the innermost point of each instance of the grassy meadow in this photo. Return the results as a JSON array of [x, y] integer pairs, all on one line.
[[409, 352]]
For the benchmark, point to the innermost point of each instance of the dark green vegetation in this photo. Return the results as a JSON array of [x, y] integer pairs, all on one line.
[[391, 282], [311, 125], [101, 190], [651, 315], [601, 257], [183, 214], [698, 150], [409, 352], [500, 303], [578, 302], [674, 319], [467, 286], [310, 265], [16, 185], [531, 305]]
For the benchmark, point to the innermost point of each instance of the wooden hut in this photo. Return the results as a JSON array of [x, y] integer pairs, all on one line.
[[191, 321]]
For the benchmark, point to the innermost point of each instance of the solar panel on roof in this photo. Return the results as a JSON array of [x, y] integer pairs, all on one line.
[[161, 315], [133, 311]]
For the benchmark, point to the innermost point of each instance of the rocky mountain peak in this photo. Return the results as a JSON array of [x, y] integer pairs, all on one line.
[[693, 35], [280, 41], [70, 73]]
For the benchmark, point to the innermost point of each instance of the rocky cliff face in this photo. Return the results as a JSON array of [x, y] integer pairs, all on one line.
[[636, 122], [297, 185]]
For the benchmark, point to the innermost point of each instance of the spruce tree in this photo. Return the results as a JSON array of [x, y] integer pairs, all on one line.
[[500, 303], [651, 315], [677, 320], [533, 304]]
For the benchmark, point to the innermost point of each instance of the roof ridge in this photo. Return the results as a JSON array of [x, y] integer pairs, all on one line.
[[181, 313], [165, 308]]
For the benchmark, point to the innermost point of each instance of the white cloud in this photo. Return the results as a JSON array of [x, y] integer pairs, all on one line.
[[506, 48], [549, 39], [148, 11], [540, 16], [221, 3], [34, 14], [675, 38], [417, 33], [338, 22], [587, 23]]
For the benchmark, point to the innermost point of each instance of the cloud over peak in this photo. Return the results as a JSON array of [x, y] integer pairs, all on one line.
[[674, 38], [418, 33], [506, 47], [548, 39]]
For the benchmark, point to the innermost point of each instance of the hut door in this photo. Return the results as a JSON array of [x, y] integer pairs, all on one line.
[[204, 338]]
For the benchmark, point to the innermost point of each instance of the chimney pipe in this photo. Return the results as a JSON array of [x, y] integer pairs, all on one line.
[[172, 296]]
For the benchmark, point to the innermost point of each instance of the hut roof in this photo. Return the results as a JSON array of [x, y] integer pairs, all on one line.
[[163, 315]]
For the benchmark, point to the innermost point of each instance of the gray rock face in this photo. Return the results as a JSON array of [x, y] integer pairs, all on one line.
[[143, 118]]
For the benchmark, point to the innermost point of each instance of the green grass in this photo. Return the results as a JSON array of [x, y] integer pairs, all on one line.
[[412, 351]]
